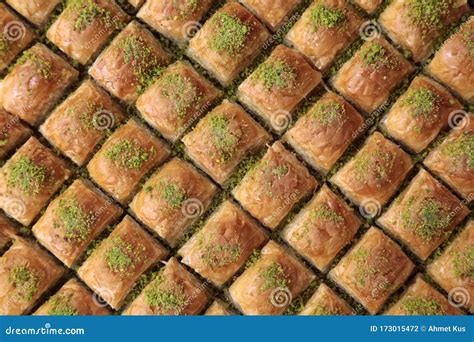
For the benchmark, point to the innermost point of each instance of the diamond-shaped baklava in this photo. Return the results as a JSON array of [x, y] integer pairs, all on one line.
[[326, 302], [12, 132], [275, 13], [218, 308], [36, 11]]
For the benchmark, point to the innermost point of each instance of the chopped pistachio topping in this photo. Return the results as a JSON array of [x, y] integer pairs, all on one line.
[[231, 34], [86, 11], [77, 223], [468, 39], [327, 113], [59, 305], [428, 14], [280, 170], [324, 310], [180, 90], [463, 263], [376, 55], [275, 73], [326, 16], [219, 255], [3, 142], [121, 256], [363, 271], [273, 277], [166, 296], [172, 194], [24, 281], [223, 139], [4, 44], [462, 147], [43, 67], [423, 102], [378, 162], [415, 305], [128, 154], [27, 175], [324, 212]]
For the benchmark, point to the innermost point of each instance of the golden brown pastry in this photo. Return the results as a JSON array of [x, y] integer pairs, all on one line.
[[72, 299], [268, 286], [372, 270], [73, 220], [271, 189], [36, 11], [178, 98], [228, 42], [420, 113], [26, 273], [218, 308], [272, 13], [326, 302], [173, 199], [421, 299], [374, 173], [324, 133], [322, 228], [454, 269], [7, 233], [424, 215], [29, 179], [368, 5], [223, 245], [85, 26], [223, 138], [128, 155], [78, 125], [36, 82], [12, 132], [131, 63], [174, 291], [117, 263], [278, 85], [325, 29], [369, 77]]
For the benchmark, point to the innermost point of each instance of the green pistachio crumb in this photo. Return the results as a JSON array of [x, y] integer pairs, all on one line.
[[324, 212], [379, 163], [223, 139], [428, 14], [423, 102], [327, 113], [468, 39], [421, 306], [86, 11], [76, 222], [276, 73], [172, 194], [43, 67], [24, 281], [462, 147], [165, 296], [324, 310], [231, 34], [180, 90], [280, 170], [463, 263], [27, 175], [274, 277], [3, 142], [128, 155], [326, 16], [59, 305], [220, 255], [121, 256], [4, 44]]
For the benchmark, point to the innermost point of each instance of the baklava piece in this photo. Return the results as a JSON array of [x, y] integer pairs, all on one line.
[[36, 82], [223, 138], [223, 245], [322, 228], [7, 233], [73, 220], [174, 291], [78, 125], [326, 302], [73, 299], [374, 269], [36, 11], [273, 13], [26, 273], [125, 158], [453, 64], [136, 3], [117, 263], [324, 133], [369, 78], [324, 30], [12, 132], [218, 308], [14, 36], [424, 215], [178, 98], [453, 160], [420, 113], [268, 286], [228, 42], [85, 26], [277, 86], [131, 63], [370, 6], [173, 199], [453, 270], [421, 299], [373, 175], [29, 179], [178, 19]]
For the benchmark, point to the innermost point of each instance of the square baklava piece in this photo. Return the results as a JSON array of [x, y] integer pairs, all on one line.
[[178, 19], [172, 199], [218, 308], [125, 158], [26, 273], [268, 286], [178, 98], [322, 228], [117, 263], [371, 75], [324, 31], [272, 13], [277, 86], [174, 291], [223, 245], [78, 125], [372, 270], [323, 134], [228, 42], [35, 83], [421, 299], [85, 26], [29, 179], [131, 63], [222, 139], [453, 270], [326, 302], [424, 215], [12, 132], [373, 175], [72, 299], [420, 113], [36, 11], [453, 160], [73, 220], [274, 186]]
